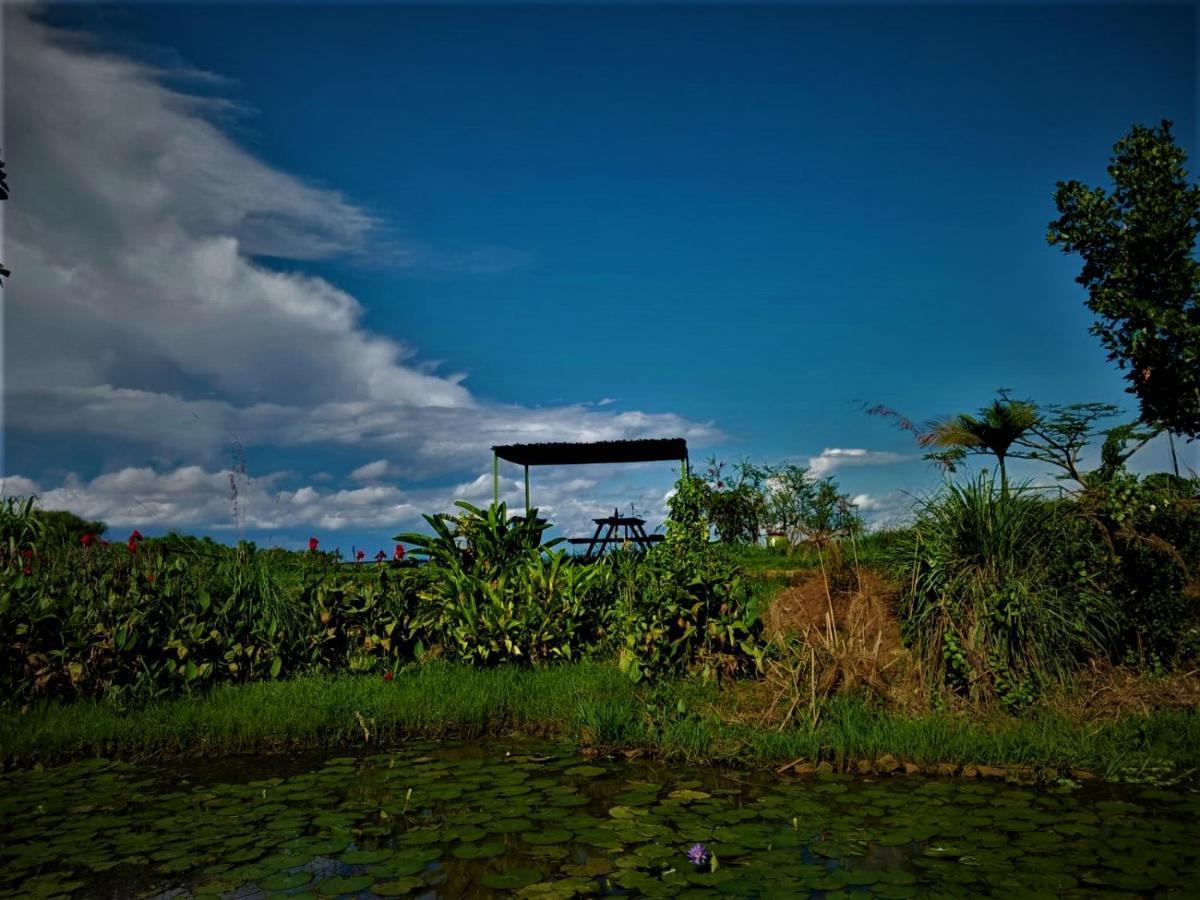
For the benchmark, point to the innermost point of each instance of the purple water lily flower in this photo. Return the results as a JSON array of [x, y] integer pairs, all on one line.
[[697, 855]]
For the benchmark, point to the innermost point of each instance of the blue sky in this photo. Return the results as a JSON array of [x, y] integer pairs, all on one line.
[[735, 223]]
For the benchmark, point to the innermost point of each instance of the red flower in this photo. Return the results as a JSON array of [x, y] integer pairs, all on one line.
[[312, 545], [360, 554], [87, 539], [380, 556], [387, 676], [26, 553], [132, 545], [27, 571], [399, 554], [136, 536]]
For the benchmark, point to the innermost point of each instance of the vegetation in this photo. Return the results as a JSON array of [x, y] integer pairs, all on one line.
[[954, 634], [527, 816], [994, 431], [986, 605], [591, 703], [1139, 267], [133, 621]]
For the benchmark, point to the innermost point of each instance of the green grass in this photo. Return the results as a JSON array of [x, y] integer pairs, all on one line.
[[591, 703], [870, 549]]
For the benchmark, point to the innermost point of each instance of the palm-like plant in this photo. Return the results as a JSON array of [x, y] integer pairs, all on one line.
[[994, 430]]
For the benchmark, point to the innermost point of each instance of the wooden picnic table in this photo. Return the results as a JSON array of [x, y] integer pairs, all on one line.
[[634, 533]]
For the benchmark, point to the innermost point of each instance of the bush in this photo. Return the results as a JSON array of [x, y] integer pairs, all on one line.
[[131, 622], [985, 603], [107, 621], [673, 611], [494, 592], [1151, 530]]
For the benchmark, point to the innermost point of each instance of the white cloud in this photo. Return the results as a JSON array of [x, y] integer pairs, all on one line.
[[16, 486], [141, 312], [194, 499], [191, 497], [482, 487], [371, 471], [833, 458], [887, 510]]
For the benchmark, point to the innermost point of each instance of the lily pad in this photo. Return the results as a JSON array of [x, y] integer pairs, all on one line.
[[332, 887], [510, 879]]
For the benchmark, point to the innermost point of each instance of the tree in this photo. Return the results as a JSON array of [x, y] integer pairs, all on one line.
[[1061, 434], [807, 509], [789, 494], [996, 428], [735, 501], [66, 529], [1137, 245]]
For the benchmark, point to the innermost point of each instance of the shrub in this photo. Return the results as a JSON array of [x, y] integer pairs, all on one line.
[[124, 624], [494, 592], [1151, 530], [131, 622], [984, 603], [673, 610]]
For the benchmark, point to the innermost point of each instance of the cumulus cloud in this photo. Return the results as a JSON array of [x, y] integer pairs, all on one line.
[[193, 497], [143, 310], [834, 458]]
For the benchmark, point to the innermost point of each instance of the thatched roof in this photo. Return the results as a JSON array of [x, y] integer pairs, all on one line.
[[569, 454]]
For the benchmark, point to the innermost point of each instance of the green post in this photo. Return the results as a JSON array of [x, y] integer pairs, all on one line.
[[495, 478], [527, 491]]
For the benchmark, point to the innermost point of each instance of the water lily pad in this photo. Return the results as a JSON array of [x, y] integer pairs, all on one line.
[[508, 826], [398, 887], [332, 887], [585, 771], [478, 851], [397, 868], [364, 857], [285, 881], [687, 795], [549, 836], [510, 879]]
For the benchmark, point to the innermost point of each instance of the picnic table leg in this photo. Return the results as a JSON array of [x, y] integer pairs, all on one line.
[[595, 537], [639, 535], [610, 536]]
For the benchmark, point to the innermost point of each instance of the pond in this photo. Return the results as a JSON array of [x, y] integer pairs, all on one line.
[[534, 819]]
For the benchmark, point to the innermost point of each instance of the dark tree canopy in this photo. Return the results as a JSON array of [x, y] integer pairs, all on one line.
[[65, 529], [1137, 245]]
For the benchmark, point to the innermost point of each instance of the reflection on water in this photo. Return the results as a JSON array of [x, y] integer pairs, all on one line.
[[468, 820]]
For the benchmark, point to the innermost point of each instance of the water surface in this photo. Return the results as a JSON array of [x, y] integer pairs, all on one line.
[[536, 820]]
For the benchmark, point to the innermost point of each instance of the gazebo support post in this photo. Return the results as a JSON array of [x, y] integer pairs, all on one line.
[[527, 491], [495, 478]]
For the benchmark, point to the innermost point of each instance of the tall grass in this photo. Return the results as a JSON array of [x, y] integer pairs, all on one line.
[[591, 703], [983, 602]]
